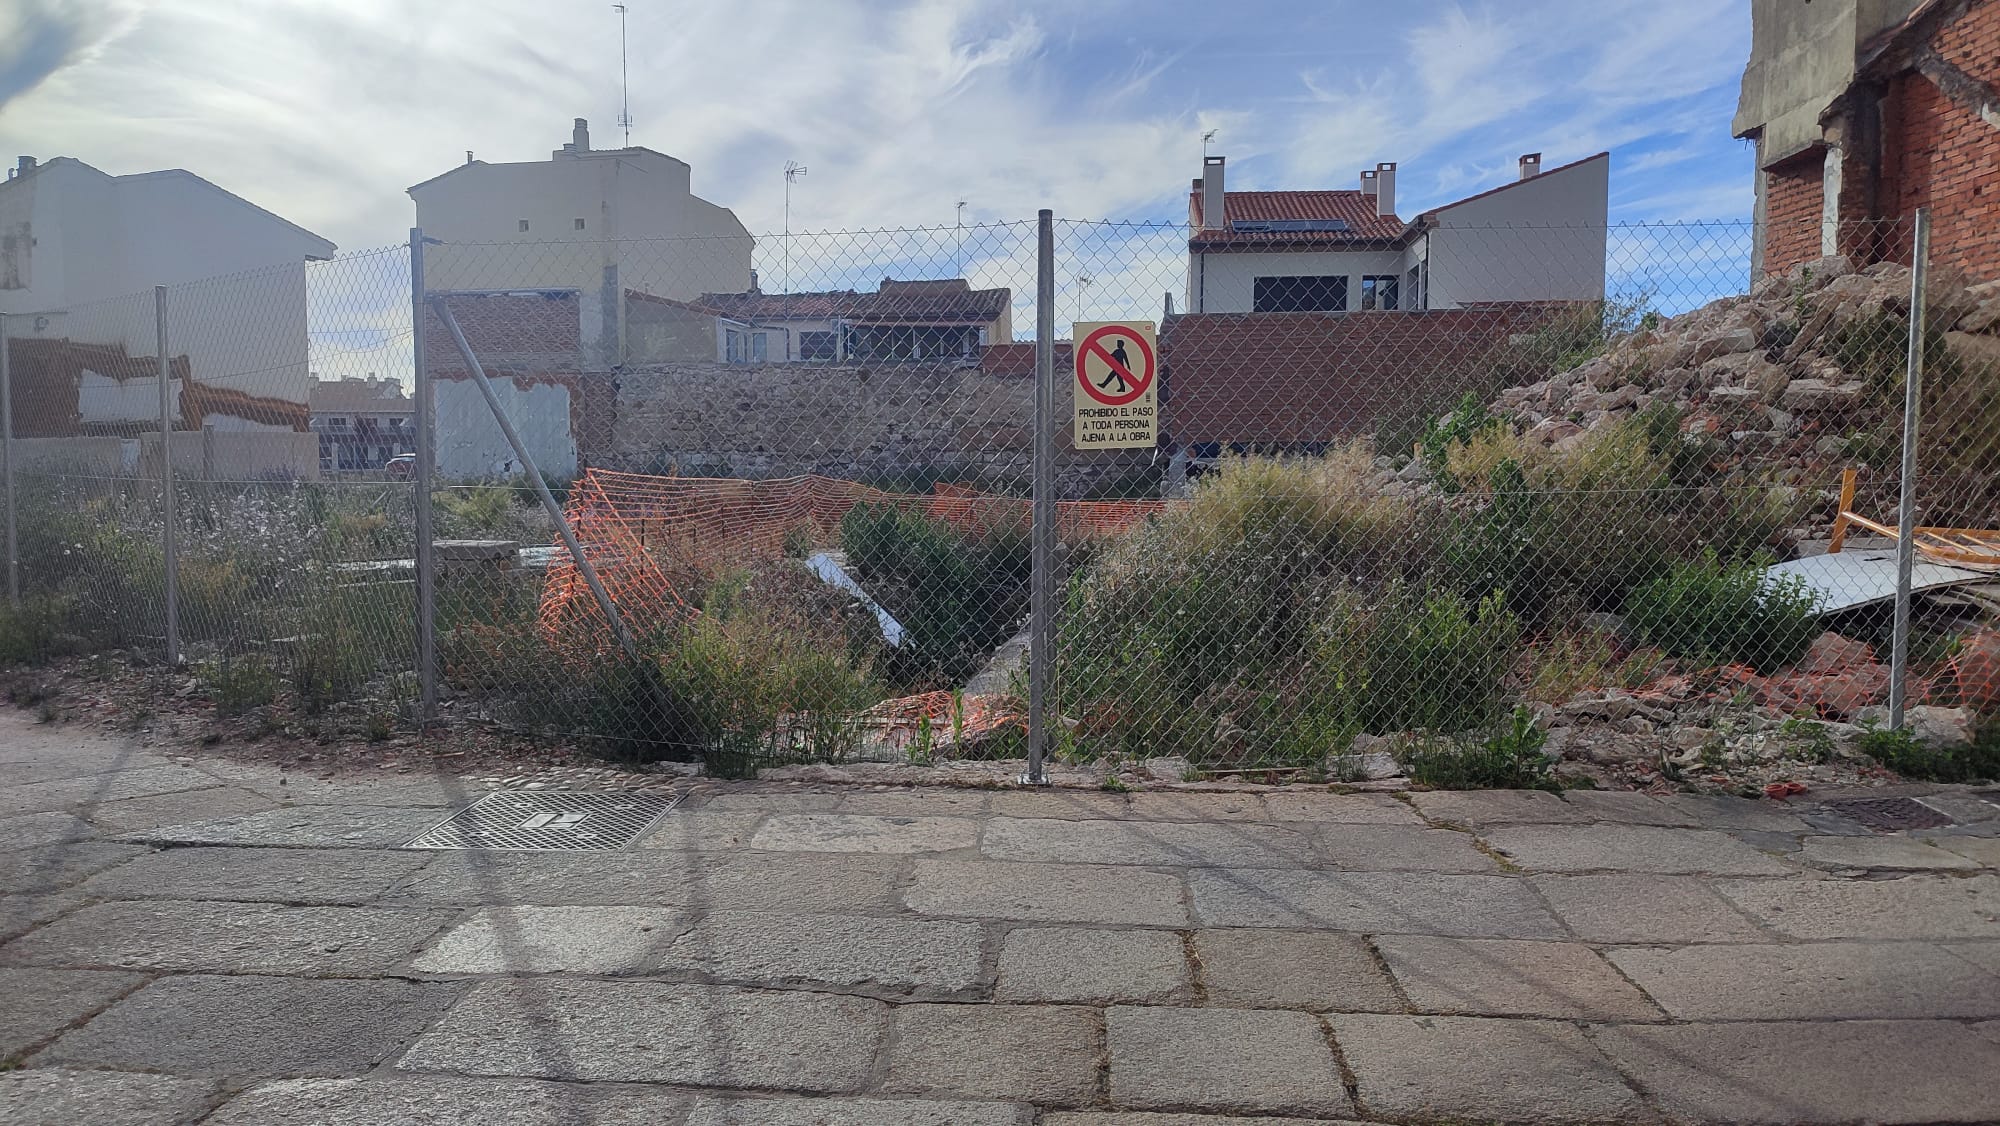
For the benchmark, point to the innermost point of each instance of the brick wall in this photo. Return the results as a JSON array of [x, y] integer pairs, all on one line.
[[1296, 378], [1942, 156], [1795, 202]]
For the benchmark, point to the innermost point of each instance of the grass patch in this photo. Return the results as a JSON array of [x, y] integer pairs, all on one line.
[[1512, 757]]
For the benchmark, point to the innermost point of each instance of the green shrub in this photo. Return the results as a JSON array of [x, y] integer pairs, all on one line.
[[240, 684], [1512, 758], [1708, 610], [1428, 662], [476, 510], [957, 596], [36, 632], [1900, 751]]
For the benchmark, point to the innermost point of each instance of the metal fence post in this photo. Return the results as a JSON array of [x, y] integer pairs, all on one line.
[[7, 468], [1906, 508], [1041, 648], [426, 451], [169, 521]]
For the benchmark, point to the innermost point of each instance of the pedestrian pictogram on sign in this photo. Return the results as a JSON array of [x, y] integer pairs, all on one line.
[[1117, 365]]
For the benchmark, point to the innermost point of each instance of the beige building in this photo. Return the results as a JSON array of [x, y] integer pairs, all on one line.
[[593, 221]]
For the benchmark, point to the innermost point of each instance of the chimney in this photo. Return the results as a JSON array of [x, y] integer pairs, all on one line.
[[1368, 182], [468, 156], [1214, 203], [1385, 188], [1531, 165], [580, 137], [26, 166]]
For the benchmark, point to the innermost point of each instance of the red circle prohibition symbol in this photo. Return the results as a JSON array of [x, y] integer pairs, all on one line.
[[1135, 382]]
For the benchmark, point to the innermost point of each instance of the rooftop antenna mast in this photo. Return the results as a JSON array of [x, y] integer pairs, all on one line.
[[624, 80], [793, 170], [1205, 139], [961, 236]]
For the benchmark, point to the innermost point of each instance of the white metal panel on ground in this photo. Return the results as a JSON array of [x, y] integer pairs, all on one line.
[[1852, 579]]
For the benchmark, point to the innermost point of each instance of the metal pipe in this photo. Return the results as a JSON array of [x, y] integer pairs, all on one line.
[[169, 522], [424, 474], [1906, 508], [7, 467], [548, 499], [1041, 647]]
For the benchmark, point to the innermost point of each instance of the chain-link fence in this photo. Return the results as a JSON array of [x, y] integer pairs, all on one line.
[[1485, 505]]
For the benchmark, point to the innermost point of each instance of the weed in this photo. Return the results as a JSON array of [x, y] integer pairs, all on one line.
[[1901, 751], [1114, 784], [1512, 757], [957, 596], [1808, 739], [239, 685], [35, 632], [1711, 611]]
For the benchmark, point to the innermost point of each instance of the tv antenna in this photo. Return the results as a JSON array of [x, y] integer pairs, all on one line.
[[793, 170], [961, 236], [1205, 139], [624, 79]]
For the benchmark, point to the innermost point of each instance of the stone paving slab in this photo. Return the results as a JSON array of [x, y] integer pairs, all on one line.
[[1984, 850], [1155, 1118], [1064, 965], [1072, 805], [1631, 848], [1504, 977], [448, 1101], [1371, 902], [1194, 805], [270, 875], [1629, 808], [156, 810], [1829, 980], [1476, 1069], [630, 1031], [1046, 893], [933, 802], [1044, 1054], [699, 830], [1712, 811], [1391, 848], [57, 866], [306, 826], [40, 1002], [40, 830], [1911, 907], [1164, 844], [294, 788], [1243, 1060], [1481, 808], [856, 1112], [748, 880], [22, 913], [62, 1097], [1782, 1073], [906, 956], [1272, 969], [846, 832], [227, 938], [542, 940], [1629, 907], [80, 795], [1899, 853], [254, 1026], [1346, 809], [1985, 955], [769, 801]]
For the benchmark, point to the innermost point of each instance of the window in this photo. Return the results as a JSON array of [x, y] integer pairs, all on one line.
[[743, 347], [1300, 295], [579, 224], [1416, 294], [1378, 291], [524, 224], [819, 346]]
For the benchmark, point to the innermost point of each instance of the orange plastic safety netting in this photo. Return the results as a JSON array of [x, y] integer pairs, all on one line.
[[650, 538]]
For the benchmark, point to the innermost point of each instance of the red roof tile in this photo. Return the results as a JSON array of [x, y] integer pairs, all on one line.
[[1351, 207], [941, 301]]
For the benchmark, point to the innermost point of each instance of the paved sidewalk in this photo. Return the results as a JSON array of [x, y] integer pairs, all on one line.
[[195, 941]]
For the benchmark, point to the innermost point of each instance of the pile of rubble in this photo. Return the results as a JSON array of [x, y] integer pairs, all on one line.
[[1758, 372]]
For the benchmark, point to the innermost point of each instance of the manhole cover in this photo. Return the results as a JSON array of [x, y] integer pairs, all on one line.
[[1891, 813], [549, 821]]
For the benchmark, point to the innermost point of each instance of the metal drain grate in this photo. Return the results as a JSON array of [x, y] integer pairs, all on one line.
[[1890, 813], [549, 821]]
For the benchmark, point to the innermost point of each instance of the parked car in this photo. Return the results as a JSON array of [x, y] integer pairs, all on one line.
[[401, 467]]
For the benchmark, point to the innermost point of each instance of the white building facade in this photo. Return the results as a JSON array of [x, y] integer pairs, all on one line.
[[597, 221], [80, 249], [1538, 238]]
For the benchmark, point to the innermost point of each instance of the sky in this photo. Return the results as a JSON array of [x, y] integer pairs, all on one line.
[[326, 110]]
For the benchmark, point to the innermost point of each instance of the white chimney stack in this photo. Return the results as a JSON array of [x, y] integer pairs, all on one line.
[[1531, 165], [580, 136], [1214, 203], [1385, 188], [1368, 182]]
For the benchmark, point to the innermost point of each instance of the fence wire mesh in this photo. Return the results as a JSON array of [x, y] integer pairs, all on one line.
[[1485, 505]]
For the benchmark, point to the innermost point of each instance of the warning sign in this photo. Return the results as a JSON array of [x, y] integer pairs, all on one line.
[[1117, 365]]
